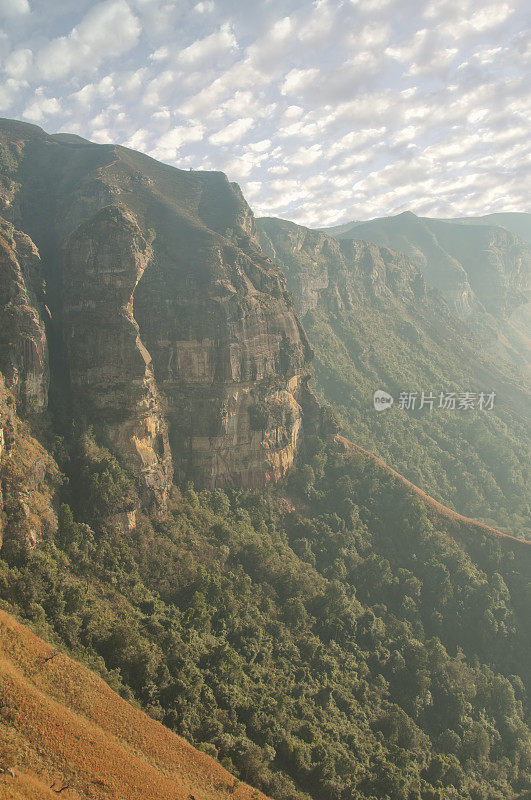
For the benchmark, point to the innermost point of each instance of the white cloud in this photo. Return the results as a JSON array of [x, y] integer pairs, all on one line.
[[139, 139], [109, 29], [41, 107], [102, 136], [158, 87], [489, 16], [205, 7], [14, 8], [210, 47], [6, 98], [240, 167], [369, 36], [18, 63], [160, 54], [259, 147], [305, 156], [299, 79], [181, 134], [233, 132]]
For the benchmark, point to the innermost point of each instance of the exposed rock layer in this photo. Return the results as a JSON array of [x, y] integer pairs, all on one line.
[[23, 347], [171, 331], [337, 274]]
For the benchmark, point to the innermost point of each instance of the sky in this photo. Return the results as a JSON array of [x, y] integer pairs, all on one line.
[[323, 111]]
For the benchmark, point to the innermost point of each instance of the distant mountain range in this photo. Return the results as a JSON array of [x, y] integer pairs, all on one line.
[[375, 323], [480, 264]]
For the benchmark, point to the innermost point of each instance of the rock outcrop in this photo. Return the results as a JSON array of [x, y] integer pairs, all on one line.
[[23, 346], [110, 370], [28, 478], [171, 332], [337, 274]]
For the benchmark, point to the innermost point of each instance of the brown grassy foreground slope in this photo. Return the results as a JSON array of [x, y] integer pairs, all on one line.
[[454, 523], [61, 724]]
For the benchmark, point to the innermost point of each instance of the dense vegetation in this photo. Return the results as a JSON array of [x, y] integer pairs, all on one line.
[[372, 325], [341, 650], [474, 461]]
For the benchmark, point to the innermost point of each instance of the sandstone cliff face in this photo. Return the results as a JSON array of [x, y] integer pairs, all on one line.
[[28, 478], [109, 367], [477, 267], [172, 330], [23, 348], [337, 274]]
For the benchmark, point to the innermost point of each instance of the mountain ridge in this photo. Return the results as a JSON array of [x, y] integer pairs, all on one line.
[[374, 323]]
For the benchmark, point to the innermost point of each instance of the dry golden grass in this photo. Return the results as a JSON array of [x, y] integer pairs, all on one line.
[[61, 724]]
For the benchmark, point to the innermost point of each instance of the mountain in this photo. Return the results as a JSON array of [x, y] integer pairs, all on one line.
[[480, 267], [338, 635], [518, 223], [154, 272], [65, 731], [374, 324], [180, 512]]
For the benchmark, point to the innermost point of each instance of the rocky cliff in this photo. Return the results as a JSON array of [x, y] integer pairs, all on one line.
[[338, 274], [475, 265], [481, 267], [169, 329], [28, 478], [23, 346]]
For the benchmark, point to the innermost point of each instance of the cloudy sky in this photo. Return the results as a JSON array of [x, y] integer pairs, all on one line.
[[323, 111]]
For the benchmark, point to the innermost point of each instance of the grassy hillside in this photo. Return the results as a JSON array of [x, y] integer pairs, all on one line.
[[62, 726]]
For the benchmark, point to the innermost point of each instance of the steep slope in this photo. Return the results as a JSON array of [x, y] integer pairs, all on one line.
[[468, 263], [335, 636], [442, 516], [373, 326], [481, 269], [168, 323], [61, 726], [28, 479], [23, 346]]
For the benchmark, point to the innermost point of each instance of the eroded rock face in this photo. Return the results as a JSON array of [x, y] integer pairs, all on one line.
[[23, 347], [337, 274], [180, 341], [28, 478], [225, 342], [109, 367]]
